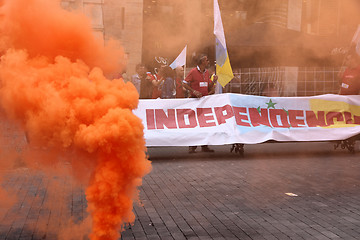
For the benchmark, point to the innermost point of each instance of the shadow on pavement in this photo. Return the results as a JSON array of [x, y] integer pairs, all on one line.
[[262, 150]]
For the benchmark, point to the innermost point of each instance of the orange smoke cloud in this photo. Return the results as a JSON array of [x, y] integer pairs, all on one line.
[[43, 28], [52, 84]]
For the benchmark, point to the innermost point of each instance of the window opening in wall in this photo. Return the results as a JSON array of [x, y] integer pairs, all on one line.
[[122, 18]]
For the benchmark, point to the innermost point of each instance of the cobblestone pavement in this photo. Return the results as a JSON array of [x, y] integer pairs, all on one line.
[[276, 191]]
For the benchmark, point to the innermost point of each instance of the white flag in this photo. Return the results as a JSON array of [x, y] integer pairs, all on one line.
[[180, 60], [218, 26]]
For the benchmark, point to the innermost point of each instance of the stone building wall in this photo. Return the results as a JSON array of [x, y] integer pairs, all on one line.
[[121, 20]]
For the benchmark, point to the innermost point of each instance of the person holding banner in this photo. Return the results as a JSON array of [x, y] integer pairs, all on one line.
[[199, 84], [157, 82], [168, 89], [179, 65], [198, 81], [179, 78], [350, 79], [142, 82]]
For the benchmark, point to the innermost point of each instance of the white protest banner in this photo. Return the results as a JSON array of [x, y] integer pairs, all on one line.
[[236, 118]]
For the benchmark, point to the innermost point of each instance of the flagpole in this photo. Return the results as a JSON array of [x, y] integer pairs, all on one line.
[[215, 42], [184, 70], [215, 47], [185, 62]]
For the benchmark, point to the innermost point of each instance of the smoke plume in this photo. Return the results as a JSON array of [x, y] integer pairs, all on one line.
[[53, 87]]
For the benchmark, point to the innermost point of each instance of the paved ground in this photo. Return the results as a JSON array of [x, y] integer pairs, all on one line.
[[276, 191]]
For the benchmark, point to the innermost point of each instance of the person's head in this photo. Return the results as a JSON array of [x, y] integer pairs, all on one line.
[[140, 69], [166, 71], [160, 62], [179, 71], [352, 60], [203, 61], [160, 69]]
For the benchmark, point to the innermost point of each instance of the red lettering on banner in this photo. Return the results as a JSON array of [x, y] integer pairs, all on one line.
[[283, 117], [348, 118], [204, 118], [181, 113], [256, 119], [356, 119], [220, 116], [294, 121], [240, 118], [331, 115], [313, 121], [150, 119], [162, 119]]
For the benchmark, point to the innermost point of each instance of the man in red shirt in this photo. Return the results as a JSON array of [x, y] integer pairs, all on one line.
[[350, 80], [198, 83]]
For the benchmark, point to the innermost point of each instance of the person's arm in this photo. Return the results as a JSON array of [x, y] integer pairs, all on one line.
[[192, 91]]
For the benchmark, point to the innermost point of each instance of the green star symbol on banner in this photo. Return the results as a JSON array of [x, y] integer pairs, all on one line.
[[271, 104], [258, 109]]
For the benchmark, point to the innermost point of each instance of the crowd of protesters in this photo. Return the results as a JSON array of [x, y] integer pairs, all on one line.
[[165, 82]]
